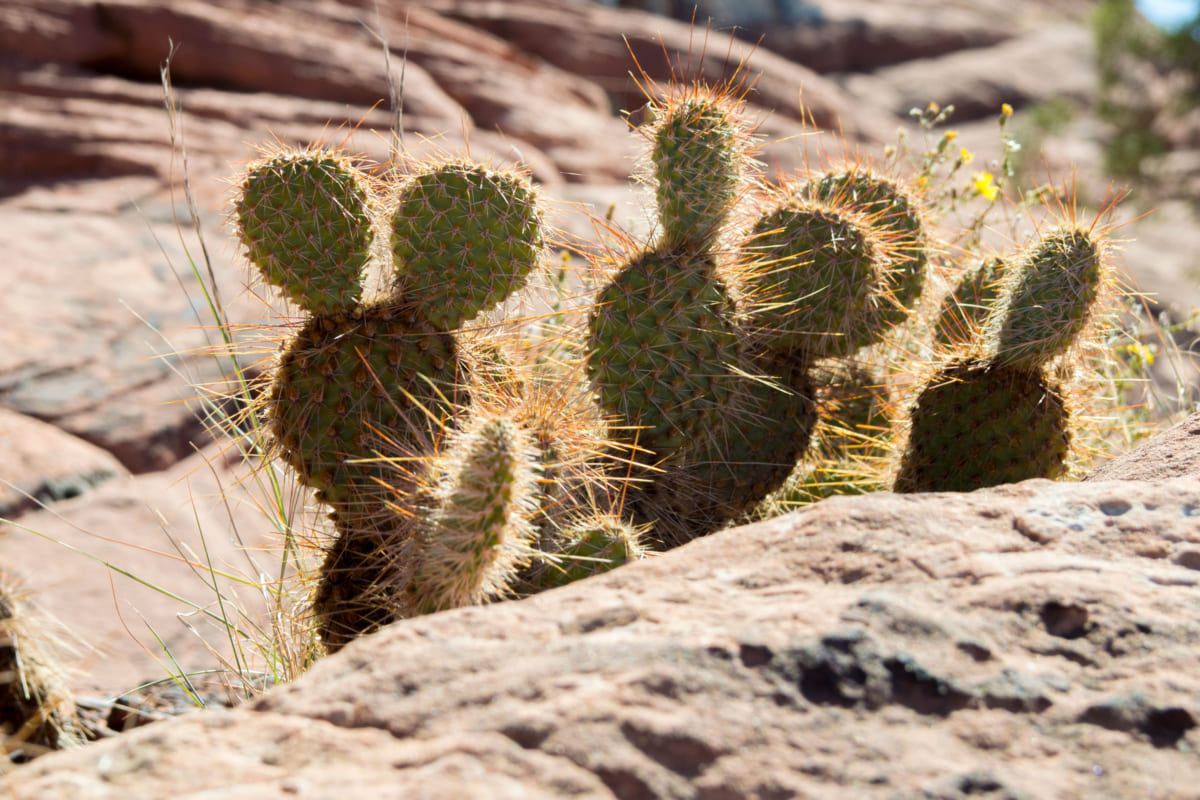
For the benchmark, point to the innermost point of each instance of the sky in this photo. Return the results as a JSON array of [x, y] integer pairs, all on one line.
[[1169, 13]]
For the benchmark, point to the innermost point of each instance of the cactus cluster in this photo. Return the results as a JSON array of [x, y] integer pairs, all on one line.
[[458, 469], [371, 400], [994, 413]]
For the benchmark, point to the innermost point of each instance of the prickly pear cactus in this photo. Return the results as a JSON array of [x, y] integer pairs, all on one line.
[[819, 283], [1000, 416], [387, 374]]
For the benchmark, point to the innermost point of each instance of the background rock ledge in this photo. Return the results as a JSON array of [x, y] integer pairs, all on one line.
[[1033, 640]]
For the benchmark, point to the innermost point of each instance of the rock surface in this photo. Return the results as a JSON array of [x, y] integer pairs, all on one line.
[[1170, 455], [1033, 640]]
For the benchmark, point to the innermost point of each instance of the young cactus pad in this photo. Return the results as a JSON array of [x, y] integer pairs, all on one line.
[[603, 544], [464, 237], [1049, 300], [699, 158], [479, 529], [304, 221]]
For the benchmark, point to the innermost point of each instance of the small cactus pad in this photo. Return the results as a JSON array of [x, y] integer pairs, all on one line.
[[817, 282], [1049, 300], [888, 206], [303, 219], [965, 309], [591, 549], [661, 344], [977, 424], [465, 237], [699, 161], [479, 530], [373, 379]]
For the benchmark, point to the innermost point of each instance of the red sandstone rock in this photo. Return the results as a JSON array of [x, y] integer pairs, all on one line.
[[1029, 640]]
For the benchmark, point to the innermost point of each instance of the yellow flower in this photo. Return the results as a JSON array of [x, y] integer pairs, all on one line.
[[950, 135], [985, 184], [1006, 110], [965, 155], [1140, 352]]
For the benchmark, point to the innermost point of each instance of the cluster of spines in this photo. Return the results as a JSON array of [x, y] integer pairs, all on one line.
[[429, 446]]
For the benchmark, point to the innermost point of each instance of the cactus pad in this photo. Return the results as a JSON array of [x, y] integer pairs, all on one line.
[[591, 549], [743, 457], [698, 159], [465, 237], [479, 528], [1050, 299], [346, 382], [303, 219], [977, 424], [818, 280], [662, 340], [889, 206]]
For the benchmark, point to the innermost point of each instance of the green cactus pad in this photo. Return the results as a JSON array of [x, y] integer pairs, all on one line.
[[965, 309], [888, 205], [698, 162], [977, 424], [479, 530], [1049, 300], [591, 549], [742, 458], [303, 219], [661, 343], [817, 281], [375, 378], [465, 237]]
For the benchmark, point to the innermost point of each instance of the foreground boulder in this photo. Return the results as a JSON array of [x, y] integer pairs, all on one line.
[[1033, 640]]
